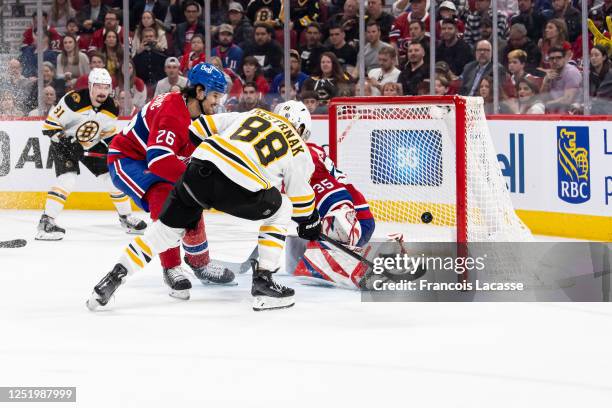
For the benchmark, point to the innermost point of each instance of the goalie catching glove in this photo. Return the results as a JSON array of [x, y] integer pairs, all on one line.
[[310, 229]]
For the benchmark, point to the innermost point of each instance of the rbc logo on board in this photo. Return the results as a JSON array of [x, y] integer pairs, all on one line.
[[574, 184]]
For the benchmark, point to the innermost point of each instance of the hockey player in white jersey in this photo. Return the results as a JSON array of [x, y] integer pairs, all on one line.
[[239, 168], [81, 126]]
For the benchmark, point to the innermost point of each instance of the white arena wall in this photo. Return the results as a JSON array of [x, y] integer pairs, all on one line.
[[558, 186]]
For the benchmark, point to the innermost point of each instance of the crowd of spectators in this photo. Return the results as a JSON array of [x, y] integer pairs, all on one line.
[[539, 44]]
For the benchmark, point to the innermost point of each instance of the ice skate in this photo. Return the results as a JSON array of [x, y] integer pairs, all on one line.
[[48, 230], [104, 290], [177, 282], [267, 293], [132, 225], [213, 273]]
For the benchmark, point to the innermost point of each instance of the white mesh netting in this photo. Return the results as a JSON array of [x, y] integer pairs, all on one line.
[[402, 156]]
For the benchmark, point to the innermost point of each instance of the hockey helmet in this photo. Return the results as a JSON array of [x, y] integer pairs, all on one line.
[[297, 114], [209, 76], [100, 76]]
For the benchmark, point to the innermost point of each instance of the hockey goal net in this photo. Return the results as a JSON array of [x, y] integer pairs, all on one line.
[[413, 157]]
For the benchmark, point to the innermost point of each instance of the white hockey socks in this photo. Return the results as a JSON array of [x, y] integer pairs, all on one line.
[[58, 194], [272, 233], [120, 200]]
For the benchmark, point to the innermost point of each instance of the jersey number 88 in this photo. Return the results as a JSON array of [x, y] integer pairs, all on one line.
[[270, 147]]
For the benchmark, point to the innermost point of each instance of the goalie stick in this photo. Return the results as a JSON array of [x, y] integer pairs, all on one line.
[[13, 243]]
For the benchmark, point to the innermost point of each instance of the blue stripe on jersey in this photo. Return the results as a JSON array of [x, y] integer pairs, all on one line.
[[140, 129], [332, 199], [153, 153]]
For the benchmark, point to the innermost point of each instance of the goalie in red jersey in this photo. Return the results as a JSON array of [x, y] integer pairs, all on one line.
[[148, 157], [345, 216]]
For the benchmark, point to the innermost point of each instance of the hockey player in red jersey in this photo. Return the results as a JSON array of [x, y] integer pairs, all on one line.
[[148, 157], [345, 216]]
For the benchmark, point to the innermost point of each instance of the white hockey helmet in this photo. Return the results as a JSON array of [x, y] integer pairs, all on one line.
[[100, 76], [298, 115]]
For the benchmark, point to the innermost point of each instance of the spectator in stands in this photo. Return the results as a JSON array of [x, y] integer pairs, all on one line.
[[157, 8], [485, 90], [49, 79], [555, 35], [96, 60], [250, 98], [478, 69], [8, 105], [113, 52], [530, 18], [252, 72], [373, 46], [29, 56], [71, 63], [518, 40], [516, 68], [391, 89], [375, 12], [264, 11], [111, 23], [528, 99], [387, 72], [328, 78], [185, 31], [441, 85], [474, 22], [234, 84], [13, 81], [243, 29], [149, 62], [137, 88], [452, 49], [562, 82], [486, 33], [603, 8], [347, 55], [83, 40], [297, 76], [309, 98], [415, 71], [120, 102], [230, 54], [195, 55], [400, 31], [61, 12], [29, 35], [173, 77], [418, 33], [49, 98], [304, 12], [266, 50], [563, 10], [448, 9], [348, 20], [600, 66], [91, 16], [311, 51], [147, 20]]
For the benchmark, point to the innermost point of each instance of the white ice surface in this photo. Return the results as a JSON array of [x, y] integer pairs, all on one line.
[[149, 350]]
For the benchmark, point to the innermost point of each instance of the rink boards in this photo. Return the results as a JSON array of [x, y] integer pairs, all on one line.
[[558, 170]]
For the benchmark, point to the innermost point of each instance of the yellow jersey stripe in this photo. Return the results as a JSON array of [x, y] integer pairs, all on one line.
[[306, 210], [211, 124], [209, 148], [196, 124], [134, 258], [46, 126], [86, 108], [270, 228], [240, 154], [267, 242], [108, 113], [302, 199], [145, 248]]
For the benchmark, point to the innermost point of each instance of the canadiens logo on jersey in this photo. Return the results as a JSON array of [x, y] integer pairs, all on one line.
[[75, 116]]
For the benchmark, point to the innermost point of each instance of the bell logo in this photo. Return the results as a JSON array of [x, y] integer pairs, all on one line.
[[207, 68], [573, 183]]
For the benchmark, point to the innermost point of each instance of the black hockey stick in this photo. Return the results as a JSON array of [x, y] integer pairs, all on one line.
[[347, 251], [13, 243], [95, 155]]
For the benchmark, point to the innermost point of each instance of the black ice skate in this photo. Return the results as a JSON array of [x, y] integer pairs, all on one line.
[[267, 293], [177, 282], [213, 273], [132, 225], [104, 290], [48, 230]]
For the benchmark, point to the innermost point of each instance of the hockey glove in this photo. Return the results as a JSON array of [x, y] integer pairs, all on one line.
[[310, 229]]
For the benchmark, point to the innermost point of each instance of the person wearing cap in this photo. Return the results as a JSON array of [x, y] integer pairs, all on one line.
[[297, 76], [532, 19], [230, 53], [173, 77], [452, 49], [474, 21], [448, 9], [243, 29]]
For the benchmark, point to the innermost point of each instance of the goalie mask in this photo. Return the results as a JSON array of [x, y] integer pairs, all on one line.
[[342, 225], [298, 115]]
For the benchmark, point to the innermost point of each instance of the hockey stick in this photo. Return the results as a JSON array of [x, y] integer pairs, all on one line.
[[347, 251], [95, 155], [238, 267], [13, 243]]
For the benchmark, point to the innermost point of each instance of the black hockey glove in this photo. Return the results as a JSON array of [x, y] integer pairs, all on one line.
[[311, 228]]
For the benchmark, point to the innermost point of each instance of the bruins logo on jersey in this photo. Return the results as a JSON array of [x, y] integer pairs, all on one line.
[[75, 97], [87, 131]]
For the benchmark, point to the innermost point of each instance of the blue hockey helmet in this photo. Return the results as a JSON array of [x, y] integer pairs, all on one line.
[[209, 76]]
